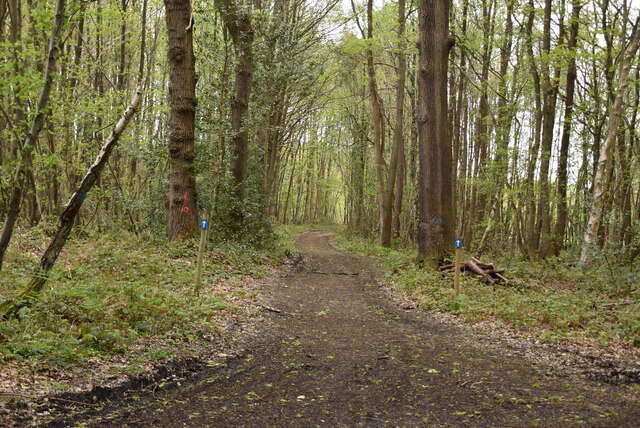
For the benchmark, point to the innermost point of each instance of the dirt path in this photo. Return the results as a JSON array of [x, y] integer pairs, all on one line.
[[341, 353]]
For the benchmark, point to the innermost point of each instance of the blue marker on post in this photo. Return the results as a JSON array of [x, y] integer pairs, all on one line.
[[204, 224], [456, 277]]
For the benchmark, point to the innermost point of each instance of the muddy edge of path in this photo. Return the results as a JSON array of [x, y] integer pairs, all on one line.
[[338, 351]]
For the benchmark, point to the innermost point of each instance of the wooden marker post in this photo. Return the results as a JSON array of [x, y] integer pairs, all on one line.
[[456, 275], [204, 225]]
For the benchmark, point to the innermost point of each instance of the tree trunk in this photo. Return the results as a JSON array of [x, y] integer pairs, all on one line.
[[123, 47], [459, 136], [376, 117], [482, 133], [143, 41], [32, 135], [436, 220], [550, 91], [601, 182], [399, 194], [398, 138], [358, 171], [236, 15], [532, 235], [561, 221], [294, 156], [183, 207]]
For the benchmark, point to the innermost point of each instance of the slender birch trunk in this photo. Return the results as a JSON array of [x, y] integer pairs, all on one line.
[[601, 181]]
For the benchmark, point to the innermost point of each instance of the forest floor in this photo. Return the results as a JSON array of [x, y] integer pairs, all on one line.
[[339, 349]]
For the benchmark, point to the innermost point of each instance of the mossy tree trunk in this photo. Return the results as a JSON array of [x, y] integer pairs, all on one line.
[[183, 197], [436, 219], [236, 15]]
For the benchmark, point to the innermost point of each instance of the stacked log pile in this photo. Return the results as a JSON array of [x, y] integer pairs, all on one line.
[[487, 272]]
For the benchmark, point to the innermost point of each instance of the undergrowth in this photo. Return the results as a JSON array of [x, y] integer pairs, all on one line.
[[550, 300], [110, 291]]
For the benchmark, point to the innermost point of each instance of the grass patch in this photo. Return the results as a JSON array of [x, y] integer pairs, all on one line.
[[108, 292], [549, 299]]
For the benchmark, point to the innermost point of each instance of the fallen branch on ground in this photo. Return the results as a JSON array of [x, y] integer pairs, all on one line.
[[487, 272]]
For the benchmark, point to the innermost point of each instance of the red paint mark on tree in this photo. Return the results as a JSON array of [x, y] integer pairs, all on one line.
[[185, 209]]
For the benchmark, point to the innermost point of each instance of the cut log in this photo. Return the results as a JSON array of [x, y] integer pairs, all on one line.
[[500, 277], [474, 268], [451, 267], [483, 265]]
